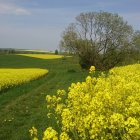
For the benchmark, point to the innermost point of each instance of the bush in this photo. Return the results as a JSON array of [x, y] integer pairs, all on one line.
[[56, 52]]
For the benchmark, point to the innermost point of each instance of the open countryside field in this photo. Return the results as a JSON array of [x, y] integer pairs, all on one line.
[[104, 106], [69, 70], [24, 106]]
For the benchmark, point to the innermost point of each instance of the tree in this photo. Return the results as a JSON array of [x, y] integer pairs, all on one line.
[[100, 39], [134, 51], [136, 40], [56, 52], [70, 37]]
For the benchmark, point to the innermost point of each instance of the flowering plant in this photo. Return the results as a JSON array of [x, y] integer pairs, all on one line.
[[103, 108]]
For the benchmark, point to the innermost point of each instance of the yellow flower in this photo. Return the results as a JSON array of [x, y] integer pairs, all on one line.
[[50, 133], [35, 138], [92, 69], [48, 98], [64, 136], [33, 131]]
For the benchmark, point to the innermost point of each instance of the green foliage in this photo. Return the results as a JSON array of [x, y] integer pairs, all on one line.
[[71, 71], [56, 52], [7, 51], [69, 41], [136, 41], [133, 54]]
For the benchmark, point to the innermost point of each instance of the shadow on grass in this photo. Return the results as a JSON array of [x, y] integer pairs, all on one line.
[[18, 61]]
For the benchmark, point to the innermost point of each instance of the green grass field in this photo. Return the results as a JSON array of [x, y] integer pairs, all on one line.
[[24, 106]]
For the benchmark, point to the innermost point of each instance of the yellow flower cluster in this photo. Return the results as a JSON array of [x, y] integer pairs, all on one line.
[[43, 56], [33, 133], [103, 108], [92, 69], [50, 134], [14, 77]]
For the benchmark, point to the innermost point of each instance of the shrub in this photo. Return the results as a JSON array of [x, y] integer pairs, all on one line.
[[56, 52]]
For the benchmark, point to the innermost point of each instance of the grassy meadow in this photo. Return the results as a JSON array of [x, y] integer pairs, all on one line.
[[24, 106]]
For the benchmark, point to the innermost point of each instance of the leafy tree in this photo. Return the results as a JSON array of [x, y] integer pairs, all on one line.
[[133, 55], [70, 37], [99, 38], [56, 51], [136, 40]]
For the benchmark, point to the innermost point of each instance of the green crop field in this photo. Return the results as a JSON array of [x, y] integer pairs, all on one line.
[[24, 105]]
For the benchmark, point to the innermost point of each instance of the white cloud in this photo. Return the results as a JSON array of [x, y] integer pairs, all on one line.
[[12, 9]]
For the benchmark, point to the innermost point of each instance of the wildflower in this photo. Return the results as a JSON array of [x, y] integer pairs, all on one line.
[[64, 136], [92, 70], [33, 131], [48, 98], [50, 133]]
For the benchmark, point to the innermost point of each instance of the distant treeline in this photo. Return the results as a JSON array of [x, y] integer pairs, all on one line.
[[7, 51], [13, 51]]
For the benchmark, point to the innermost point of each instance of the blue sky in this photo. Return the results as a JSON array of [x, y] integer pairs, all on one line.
[[38, 24]]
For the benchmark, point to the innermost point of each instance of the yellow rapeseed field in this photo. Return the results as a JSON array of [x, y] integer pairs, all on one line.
[[103, 108], [43, 56], [12, 77]]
